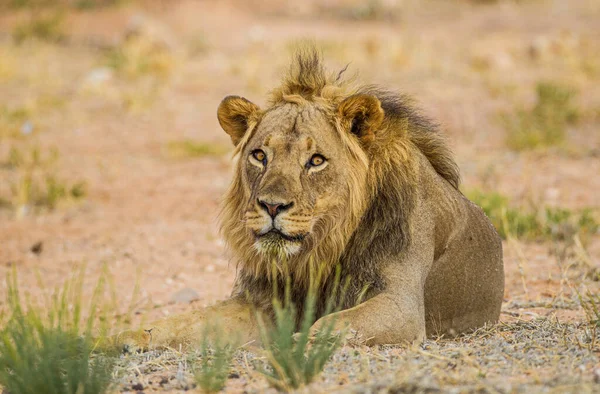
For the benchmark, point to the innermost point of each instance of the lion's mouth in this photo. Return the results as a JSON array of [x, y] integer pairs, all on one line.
[[275, 243], [275, 234]]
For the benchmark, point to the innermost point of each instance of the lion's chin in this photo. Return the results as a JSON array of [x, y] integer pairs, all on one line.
[[275, 246]]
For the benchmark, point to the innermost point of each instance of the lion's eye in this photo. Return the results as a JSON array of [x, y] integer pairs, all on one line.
[[259, 155], [317, 160]]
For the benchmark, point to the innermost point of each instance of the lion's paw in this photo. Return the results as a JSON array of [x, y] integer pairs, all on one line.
[[130, 342]]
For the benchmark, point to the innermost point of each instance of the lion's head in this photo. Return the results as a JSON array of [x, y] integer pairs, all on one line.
[[305, 170]]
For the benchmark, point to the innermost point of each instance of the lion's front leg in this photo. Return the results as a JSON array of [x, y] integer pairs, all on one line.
[[232, 320], [384, 319]]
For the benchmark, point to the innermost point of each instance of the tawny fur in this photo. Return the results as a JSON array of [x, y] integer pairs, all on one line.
[[426, 260]]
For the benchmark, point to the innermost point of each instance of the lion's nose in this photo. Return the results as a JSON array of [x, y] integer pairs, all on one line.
[[273, 208]]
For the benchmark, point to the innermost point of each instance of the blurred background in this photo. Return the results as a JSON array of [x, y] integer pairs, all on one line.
[[111, 154]]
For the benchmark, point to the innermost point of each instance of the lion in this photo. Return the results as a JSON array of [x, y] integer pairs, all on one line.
[[332, 173]]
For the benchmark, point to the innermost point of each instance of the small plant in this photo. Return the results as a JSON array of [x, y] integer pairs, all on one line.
[[366, 10], [49, 350], [545, 124], [507, 220], [189, 149], [14, 122], [216, 354], [33, 183], [44, 26], [591, 306], [139, 56], [297, 358], [539, 223]]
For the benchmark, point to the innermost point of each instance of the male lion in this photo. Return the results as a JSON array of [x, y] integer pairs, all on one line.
[[334, 175]]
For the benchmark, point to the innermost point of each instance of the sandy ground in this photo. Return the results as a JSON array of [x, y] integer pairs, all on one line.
[[150, 216]]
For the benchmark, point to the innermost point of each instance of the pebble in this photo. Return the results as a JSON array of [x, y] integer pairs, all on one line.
[[37, 248], [98, 76]]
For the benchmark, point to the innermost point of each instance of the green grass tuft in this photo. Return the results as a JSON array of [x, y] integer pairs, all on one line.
[[139, 56], [190, 148], [33, 183], [46, 26], [590, 302], [538, 223], [216, 353], [545, 124], [77, 4], [48, 350], [12, 121], [296, 358]]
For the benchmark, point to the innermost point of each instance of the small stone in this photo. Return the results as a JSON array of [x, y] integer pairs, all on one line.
[[185, 296], [37, 247], [137, 387], [98, 76], [27, 128]]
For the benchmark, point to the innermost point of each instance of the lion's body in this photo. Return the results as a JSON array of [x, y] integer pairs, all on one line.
[[387, 210]]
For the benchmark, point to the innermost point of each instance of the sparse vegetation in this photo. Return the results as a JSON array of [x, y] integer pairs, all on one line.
[[34, 184], [44, 26], [215, 354], [14, 122], [545, 124], [591, 305], [366, 10], [48, 350], [139, 56], [534, 223], [515, 356], [78, 4], [296, 358], [190, 148]]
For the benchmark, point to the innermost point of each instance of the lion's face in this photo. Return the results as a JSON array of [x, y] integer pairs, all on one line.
[[297, 170], [294, 167]]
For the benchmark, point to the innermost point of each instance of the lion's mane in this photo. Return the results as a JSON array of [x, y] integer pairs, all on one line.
[[377, 219]]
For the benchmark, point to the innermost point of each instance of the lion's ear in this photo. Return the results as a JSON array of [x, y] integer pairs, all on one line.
[[233, 114], [361, 115]]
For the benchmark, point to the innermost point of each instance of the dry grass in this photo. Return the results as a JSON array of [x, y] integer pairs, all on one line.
[[545, 124], [215, 356], [521, 356], [33, 183], [191, 149], [535, 222], [43, 25], [77, 4], [139, 56], [525, 353], [15, 122], [48, 348]]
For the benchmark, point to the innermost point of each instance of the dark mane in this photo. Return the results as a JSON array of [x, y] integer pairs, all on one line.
[[424, 133]]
